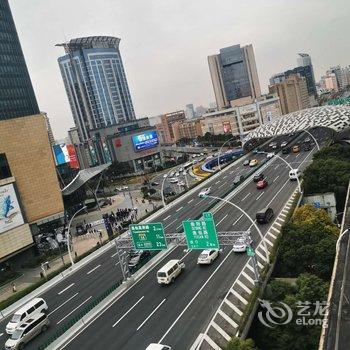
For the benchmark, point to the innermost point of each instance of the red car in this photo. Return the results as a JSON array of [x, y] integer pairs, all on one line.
[[261, 184]]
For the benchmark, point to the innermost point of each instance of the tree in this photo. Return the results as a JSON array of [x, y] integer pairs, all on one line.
[[311, 288], [307, 244], [241, 344]]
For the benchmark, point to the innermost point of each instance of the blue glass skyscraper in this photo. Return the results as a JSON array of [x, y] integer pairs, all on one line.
[[17, 97], [95, 83]]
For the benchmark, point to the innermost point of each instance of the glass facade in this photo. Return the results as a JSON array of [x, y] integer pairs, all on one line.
[[17, 97], [308, 73], [96, 86], [234, 73]]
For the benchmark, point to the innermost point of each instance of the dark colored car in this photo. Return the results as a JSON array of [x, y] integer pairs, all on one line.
[[246, 162], [154, 183], [307, 147], [137, 257], [262, 184], [264, 216], [168, 192], [285, 150], [238, 179], [258, 177]]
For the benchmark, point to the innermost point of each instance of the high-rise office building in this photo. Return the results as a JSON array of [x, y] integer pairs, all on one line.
[[303, 60], [292, 93], [95, 83], [29, 189], [17, 97], [234, 76], [166, 124], [190, 113], [304, 69]]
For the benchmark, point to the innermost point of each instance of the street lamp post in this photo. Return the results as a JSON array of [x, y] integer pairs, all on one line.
[[69, 235], [220, 150], [250, 219], [162, 187], [313, 137], [290, 167]]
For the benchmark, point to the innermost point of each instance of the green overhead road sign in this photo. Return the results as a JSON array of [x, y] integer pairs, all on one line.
[[148, 236], [201, 234], [250, 251]]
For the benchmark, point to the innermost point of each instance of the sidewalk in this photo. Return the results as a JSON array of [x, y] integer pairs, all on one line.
[[81, 244]]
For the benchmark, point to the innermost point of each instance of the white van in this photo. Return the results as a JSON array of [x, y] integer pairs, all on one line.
[[35, 306], [294, 174], [155, 346], [170, 271]]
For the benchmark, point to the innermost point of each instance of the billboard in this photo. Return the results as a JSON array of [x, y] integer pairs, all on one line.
[[73, 159], [10, 212], [146, 140], [61, 154], [66, 154], [227, 127]]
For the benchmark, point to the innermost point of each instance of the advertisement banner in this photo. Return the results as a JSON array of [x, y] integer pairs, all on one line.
[[10, 212], [106, 153], [73, 159], [146, 140], [118, 143], [61, 154], [227, 127]]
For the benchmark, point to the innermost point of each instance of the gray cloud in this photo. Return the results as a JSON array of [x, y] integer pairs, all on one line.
[[165, 43]]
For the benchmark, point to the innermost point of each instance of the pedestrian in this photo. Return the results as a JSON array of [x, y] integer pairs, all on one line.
[[76, 255], [14, 289]]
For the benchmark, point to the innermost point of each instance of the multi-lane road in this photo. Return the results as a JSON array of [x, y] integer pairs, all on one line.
[[174, 314]]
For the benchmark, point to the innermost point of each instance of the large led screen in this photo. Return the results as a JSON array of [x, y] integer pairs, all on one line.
[[10, 212], [146, 140]]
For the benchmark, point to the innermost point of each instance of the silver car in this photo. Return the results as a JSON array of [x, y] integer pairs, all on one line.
[[27, 331]]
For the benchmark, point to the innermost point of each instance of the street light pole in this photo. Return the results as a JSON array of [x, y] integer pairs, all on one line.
[[220, 150], [69, 235], [290, 167], [308, 132], [162, 187], [250, 219]]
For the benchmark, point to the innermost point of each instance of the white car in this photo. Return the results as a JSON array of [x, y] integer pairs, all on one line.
[[165, 175], [172, 174], [270, 155], [241, 244], [177, 174], [184, 172], [284, 144], [174, 180], [181, 183], [204, 192], [207, 257]]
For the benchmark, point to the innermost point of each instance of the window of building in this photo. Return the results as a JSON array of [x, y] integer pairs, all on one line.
[[4, 167]]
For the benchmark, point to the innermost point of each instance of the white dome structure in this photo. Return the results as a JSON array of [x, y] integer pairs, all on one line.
[[336, 118]]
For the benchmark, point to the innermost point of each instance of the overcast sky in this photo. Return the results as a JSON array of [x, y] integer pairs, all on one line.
[[165, 43]]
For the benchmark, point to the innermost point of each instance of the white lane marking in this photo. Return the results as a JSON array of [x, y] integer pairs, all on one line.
[[217, 182], [297, 155], [275, 178], [169, 216], [276, 166], [117, 263], [237, 220], [62, 319], [113, 255], [260, 195], [195, 296], [1, 334], [95, 268], [190, 201], [225, 177], [222, 220], [245, 197], [151, 314], [63, 290], [178, 226], [128, 311], [222, 185], [170, 224], [58, 307], [179, 209]]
